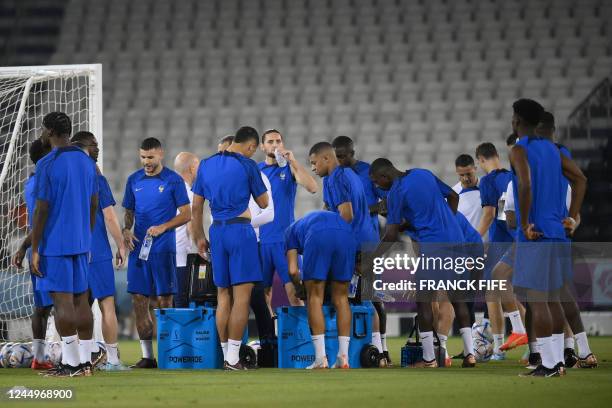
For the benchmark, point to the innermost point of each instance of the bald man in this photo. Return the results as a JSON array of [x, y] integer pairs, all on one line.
[[186, 165]]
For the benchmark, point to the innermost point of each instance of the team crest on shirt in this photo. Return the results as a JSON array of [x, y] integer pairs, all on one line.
[[161, 188], [282, 176]]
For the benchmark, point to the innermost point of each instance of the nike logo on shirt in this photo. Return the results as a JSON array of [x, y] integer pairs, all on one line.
[[138, 189]]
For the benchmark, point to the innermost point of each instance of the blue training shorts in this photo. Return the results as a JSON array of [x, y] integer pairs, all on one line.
[[329, 255], [66, 274], [541, 265], [101, 279], [153, 277], [235, 254], [274, 258]]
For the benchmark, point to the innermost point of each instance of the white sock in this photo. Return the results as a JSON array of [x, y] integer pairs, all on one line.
[[443, 341], [517, 323], [533, 347], [318, 341], [112, 353], [224, 349], [85, 350], [468, 342], [95, 347], [377, 341], [38, 349], [343, 345], [557, 342], [147, 348], [428, 346], [569, 343], [583, 345], [70, 351], [498, 340], [383, 340], [233, 351], [545, 345]]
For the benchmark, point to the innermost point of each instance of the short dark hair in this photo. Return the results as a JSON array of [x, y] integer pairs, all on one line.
[[486, 150], [58, 122], [464, 160], [246, 133], [37, 150], [225, 139], [82, 137], [528, 110], [320, 147], [267, 132], [150, 143], [547, 120], [511, 140], [380, 165], [342, 141]]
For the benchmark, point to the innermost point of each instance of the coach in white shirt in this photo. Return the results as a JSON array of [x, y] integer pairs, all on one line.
[[186, 165], [467, 188]]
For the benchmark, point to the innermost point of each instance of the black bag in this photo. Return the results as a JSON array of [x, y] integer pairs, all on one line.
[[202, 288], [412, 352]]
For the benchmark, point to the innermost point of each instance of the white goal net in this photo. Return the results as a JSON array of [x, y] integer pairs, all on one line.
[[27, 94]]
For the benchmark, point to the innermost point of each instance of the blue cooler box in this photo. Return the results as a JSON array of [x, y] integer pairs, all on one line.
[[295, 348], [187, 339]]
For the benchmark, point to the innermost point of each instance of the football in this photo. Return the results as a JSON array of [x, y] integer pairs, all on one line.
[[21, 356]]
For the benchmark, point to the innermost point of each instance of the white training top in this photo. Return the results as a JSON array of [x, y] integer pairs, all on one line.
[[183, 240], [260, 216], [470, 204], [509, 206]]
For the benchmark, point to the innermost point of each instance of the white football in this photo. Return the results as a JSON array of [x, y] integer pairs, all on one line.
[[21, 356], [5, 353], [483, 350], [482, 331], [254, 345]]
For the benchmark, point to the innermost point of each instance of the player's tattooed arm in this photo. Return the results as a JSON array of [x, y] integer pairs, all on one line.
[[301, 175], [128, 235], [486, 219], [41, 213], [346, 211], [379, 208], [510, 219]]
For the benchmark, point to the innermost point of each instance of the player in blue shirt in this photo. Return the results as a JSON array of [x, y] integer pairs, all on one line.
[[64, 217], [228, 180], [327, 244], [420, 199], [492, 187], [152, 197], [574, 327], [284, 181], [101, 276], [539, 193], [343, 193], [345, 152], [42, 299]]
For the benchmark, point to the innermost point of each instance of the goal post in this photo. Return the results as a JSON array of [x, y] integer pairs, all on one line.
[[27, 94]]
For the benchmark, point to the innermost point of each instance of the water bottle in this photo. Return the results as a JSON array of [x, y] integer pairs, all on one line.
[[353, 286], [146, 248], [383, 297], [280, 159]]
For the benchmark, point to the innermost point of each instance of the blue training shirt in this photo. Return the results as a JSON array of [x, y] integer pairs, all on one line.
[[342, 186], [228, 180], [155, 200], [315, 222], [29, 196], [66, 179], [284, 189], [548, 188], [492, 186], [100, 247], [419, 198], [362, 169]]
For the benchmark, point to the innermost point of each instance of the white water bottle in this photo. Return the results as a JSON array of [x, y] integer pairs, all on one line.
[[146, 248], [353, 286], [280, 159]]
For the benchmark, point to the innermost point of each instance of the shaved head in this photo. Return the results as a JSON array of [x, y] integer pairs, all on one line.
[[186, 164]]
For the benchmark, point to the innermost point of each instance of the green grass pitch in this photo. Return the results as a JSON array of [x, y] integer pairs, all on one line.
[[493, 384]]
